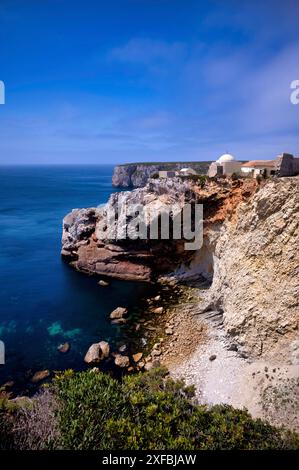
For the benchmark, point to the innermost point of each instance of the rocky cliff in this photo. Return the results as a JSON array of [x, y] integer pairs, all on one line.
[[136, 175], [255, 263], [249, 255]]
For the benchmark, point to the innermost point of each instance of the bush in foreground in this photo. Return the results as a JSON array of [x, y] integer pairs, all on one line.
[[145, 411], [152, 411]]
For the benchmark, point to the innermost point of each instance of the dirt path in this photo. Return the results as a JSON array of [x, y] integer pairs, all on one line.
[[201, 353]]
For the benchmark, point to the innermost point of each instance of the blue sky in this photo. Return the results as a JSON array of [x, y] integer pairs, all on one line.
[[137, 80]]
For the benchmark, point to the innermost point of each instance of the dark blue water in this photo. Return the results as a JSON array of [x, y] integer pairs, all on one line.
[[43, 302]]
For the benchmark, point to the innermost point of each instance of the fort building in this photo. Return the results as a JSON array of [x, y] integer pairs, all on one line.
[[283, 165], [225, 165]]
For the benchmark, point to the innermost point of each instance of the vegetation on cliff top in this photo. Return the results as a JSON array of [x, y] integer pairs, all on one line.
[[90, 410]]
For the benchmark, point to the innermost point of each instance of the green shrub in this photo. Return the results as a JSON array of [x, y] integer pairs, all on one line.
[[90, 410], [198, 179], [152, 411]]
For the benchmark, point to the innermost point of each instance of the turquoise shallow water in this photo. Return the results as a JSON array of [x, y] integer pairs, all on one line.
[[43, 302]]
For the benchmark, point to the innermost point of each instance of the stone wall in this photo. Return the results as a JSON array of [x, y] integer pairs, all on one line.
[[287, 165], [215, 170]]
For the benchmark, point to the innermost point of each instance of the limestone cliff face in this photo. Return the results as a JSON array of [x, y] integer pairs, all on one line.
[[122, 176], [136, 175], [254, 261]]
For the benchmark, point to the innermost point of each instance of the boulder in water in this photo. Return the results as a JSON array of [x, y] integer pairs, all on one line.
[[97, 352], [118, 313], [40, 375]]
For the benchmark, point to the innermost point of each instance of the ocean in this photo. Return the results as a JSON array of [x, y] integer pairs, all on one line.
[[44, 302]]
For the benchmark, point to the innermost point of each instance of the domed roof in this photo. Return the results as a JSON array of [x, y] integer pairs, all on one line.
[[226, 157]]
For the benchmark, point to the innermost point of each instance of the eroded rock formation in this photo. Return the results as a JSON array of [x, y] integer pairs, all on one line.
[[256, 271], [125, 258]]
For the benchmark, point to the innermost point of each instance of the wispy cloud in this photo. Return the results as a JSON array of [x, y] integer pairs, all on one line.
[[148, 51]]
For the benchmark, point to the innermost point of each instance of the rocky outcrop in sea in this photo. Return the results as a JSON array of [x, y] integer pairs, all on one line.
[[110, 254]]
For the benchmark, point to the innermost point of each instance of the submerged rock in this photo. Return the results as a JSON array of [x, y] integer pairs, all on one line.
[[118, 313], [103, 283], [119, 321], [64, 347]]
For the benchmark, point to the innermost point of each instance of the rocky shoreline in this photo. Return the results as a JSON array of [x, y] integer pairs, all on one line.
[[140, 328]]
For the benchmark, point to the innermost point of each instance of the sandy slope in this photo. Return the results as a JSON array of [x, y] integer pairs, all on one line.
[[267, 390]]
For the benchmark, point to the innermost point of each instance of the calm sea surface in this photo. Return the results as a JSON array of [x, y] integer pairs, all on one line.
[[42, 301]]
